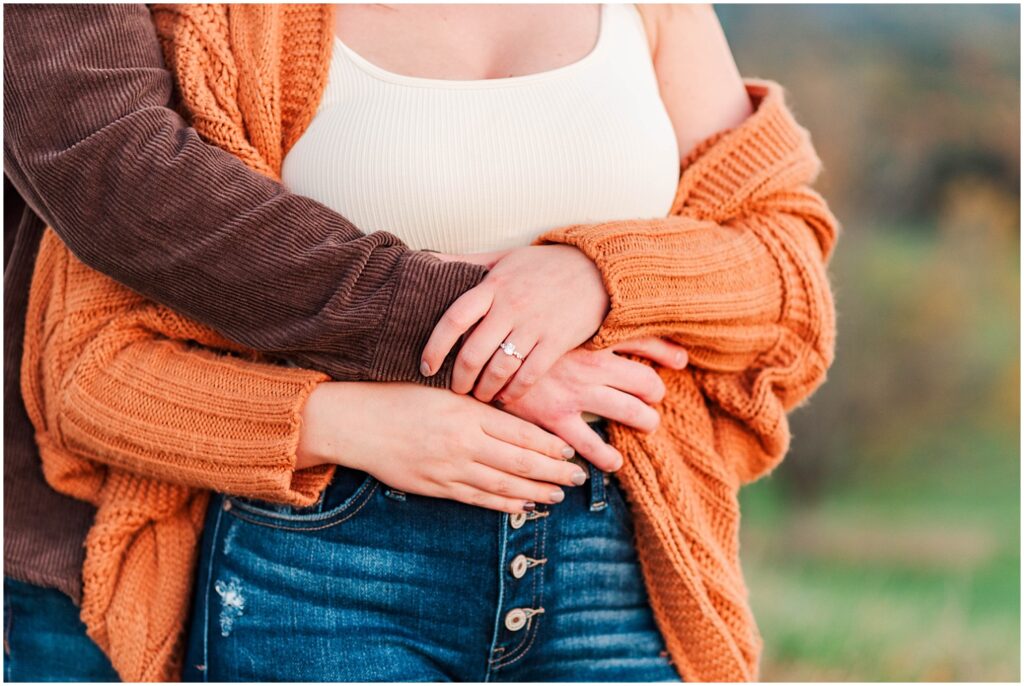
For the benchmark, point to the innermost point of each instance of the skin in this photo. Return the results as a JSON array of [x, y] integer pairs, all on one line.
[[459, 447], [433, 442], [703, 94]]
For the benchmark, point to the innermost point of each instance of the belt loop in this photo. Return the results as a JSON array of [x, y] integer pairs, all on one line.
[[598, 501]]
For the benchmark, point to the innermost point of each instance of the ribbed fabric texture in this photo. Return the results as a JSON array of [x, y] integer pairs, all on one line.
[[736, 273], [473, 166], [91, 145]]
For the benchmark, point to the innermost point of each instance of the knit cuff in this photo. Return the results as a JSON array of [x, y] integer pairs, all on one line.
[[214, 421], [766, 152], [427, 287], [665, 274]]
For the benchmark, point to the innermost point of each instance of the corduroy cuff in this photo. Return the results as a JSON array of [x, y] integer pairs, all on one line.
[[407, 327]]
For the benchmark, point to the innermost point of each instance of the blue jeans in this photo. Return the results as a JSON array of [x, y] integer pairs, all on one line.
[[372, 584], [44, 639]]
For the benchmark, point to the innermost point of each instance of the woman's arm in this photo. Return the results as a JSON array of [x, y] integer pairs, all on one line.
[[110, 379], [117, 386], [697, 76], [548, 301], [737, 272]]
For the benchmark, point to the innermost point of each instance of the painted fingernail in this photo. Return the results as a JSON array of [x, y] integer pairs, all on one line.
[[424, 368], [568, 452], [530, 507], [558, 495], [579, 477]]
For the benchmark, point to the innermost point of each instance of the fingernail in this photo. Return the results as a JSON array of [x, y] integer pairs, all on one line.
[[568, 452], [680, 359], [618, 464], [530, 507], [579, 477], [558, 495], [424, 368]]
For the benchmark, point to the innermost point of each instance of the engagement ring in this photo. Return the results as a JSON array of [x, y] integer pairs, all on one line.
[[509, 348]]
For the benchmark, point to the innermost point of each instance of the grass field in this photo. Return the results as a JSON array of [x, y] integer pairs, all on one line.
[[907, 575]]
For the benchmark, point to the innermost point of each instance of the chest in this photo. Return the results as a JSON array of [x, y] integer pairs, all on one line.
[[470, 165], [466, 42]]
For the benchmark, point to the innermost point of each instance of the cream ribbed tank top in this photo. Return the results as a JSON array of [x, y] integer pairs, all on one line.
[[480, 165]]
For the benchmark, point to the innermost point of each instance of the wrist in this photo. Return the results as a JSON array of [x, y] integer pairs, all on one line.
[[331, 425], [319, 439]]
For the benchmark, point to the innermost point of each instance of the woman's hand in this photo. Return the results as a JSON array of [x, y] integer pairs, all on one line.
[[433, 442], [545, 299], [601, 382]]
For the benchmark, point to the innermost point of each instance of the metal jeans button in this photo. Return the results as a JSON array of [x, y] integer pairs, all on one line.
[[519, 566], [517, 520], [515, 619], [518, 617]]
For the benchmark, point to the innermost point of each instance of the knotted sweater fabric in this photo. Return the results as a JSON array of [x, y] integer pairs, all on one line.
[[140, 411]]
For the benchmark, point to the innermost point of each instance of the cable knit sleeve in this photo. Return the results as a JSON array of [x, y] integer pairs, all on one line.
[[111, 379], [736, 273]]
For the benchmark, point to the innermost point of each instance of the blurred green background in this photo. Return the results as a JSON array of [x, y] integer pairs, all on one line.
[[887, 545]]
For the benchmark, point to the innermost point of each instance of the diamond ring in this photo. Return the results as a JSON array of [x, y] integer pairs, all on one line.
[[509, 348]]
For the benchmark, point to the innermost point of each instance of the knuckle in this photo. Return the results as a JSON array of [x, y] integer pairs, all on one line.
[[469, 360], [456, 318], [522, 463], [654, 386], [502, 486], [526, 378]]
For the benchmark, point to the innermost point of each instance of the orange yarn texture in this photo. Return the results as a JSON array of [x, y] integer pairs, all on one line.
[[140, 411]]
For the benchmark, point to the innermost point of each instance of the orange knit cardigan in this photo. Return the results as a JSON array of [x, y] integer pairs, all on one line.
[[139, 410]]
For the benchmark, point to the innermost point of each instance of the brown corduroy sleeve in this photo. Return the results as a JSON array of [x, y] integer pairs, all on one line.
[[91, 143]]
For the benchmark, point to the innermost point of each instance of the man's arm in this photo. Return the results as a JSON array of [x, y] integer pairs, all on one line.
[[92, 145]]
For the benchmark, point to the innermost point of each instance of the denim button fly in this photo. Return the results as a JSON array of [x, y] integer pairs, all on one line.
[[515, 619], [519, 566]]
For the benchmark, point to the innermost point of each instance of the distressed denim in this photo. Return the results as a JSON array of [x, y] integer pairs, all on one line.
[[44, 639], [372, 584]]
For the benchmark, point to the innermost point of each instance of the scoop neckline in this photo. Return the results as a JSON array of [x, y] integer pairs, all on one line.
[[426, 82]]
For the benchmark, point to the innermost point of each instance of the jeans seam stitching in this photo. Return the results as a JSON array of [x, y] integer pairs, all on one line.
[[502, 546], [539, 538], [343, 516], [206, 594], [522, 645], [8, 652], [314, 518]]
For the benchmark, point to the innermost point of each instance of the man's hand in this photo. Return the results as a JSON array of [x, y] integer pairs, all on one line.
[[603, 383]]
